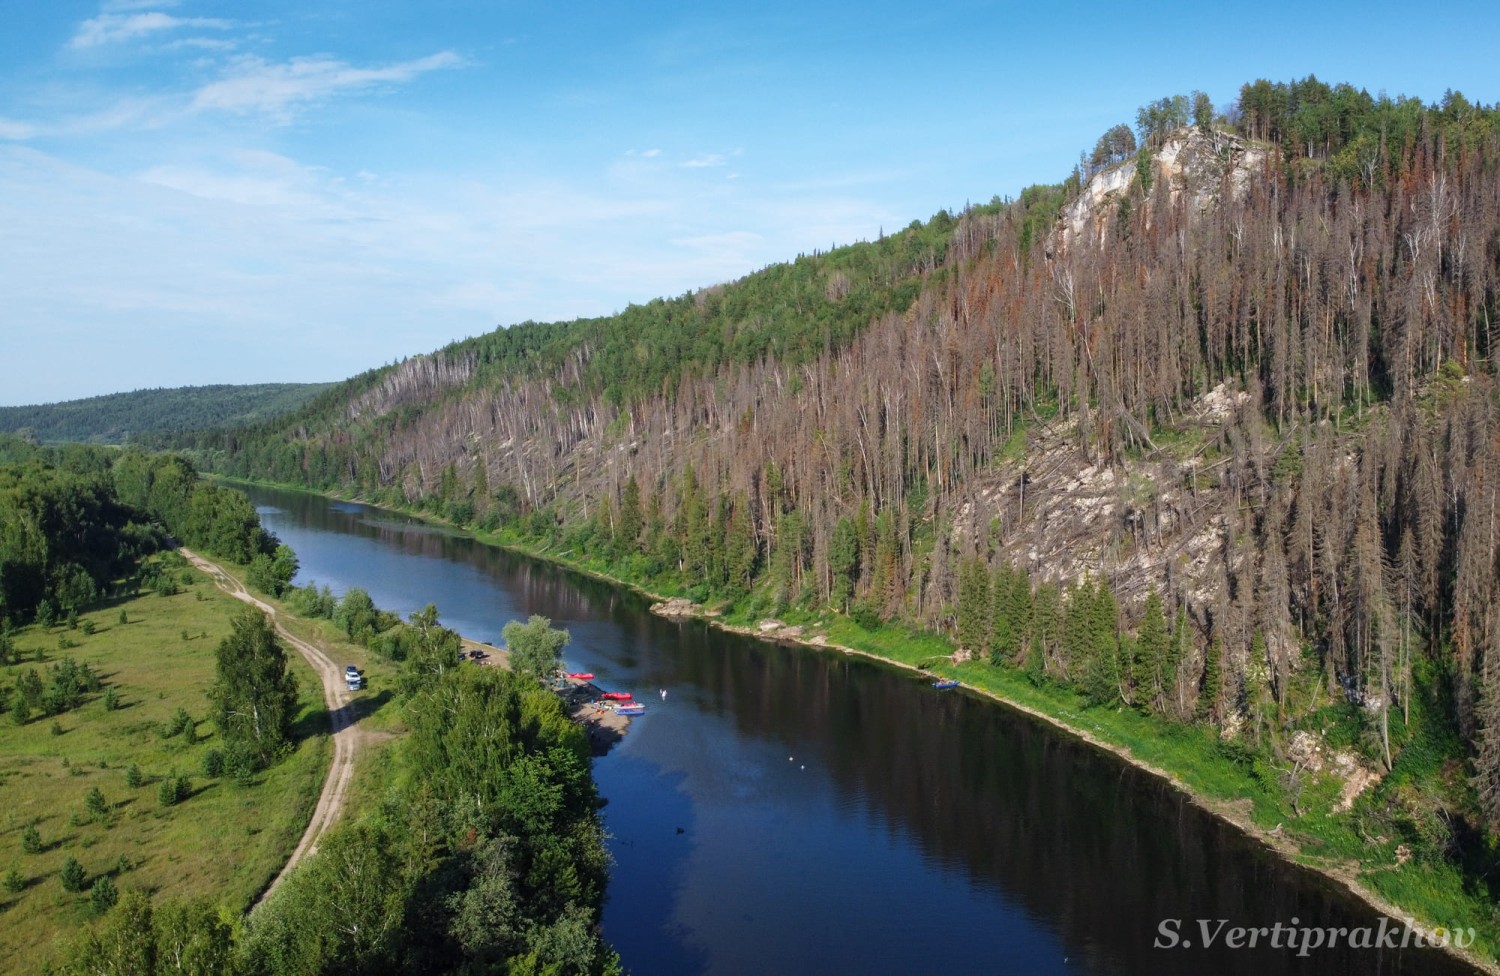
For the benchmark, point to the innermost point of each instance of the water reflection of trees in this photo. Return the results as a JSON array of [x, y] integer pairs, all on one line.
[[1091, 847]]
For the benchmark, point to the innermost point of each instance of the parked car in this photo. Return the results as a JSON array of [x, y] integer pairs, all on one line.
[[351, 673]]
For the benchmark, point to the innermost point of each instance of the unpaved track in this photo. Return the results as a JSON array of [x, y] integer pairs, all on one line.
[[342, 709]]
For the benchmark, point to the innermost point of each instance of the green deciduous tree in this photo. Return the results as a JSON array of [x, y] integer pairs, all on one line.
[[535, 647], [254, 695], [431, 650]]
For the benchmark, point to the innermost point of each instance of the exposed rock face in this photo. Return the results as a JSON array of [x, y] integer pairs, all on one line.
[[1201, 166], [1104, 187], [1063, 515]]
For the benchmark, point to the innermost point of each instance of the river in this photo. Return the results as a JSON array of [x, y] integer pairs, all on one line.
[[788, 810]]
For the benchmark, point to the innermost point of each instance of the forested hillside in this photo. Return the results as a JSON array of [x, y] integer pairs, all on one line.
[[119, 417], [1209, 431]]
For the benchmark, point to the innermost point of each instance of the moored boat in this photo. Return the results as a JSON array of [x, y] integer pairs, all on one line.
[[617, 695], [945, 684], [581, 675], [632, 708]]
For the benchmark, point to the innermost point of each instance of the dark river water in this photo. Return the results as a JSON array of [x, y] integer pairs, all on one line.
[[787, 811]]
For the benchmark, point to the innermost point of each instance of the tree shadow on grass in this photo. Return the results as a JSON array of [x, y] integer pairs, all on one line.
[[198, 787], [313, 721], [320, 721], [370, 704]]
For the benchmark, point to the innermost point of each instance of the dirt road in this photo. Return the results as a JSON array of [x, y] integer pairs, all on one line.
[[342, 712]]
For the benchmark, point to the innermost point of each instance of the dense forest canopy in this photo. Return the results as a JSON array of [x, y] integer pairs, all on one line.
[[1207, 430], [119, 417], [76, 520]]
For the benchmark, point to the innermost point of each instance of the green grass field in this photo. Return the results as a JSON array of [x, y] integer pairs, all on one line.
[[224, 841]]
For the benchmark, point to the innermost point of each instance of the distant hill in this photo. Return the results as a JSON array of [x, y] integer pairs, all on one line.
[[117, 417]]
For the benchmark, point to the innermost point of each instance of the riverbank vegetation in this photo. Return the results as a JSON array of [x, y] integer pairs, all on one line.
[[484, 851], [1210, 452], [134, 753]]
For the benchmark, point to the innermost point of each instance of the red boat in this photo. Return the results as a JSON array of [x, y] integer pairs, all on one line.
[[581, 675], [617, 695]]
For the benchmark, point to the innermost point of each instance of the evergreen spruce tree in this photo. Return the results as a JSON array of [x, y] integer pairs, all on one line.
[[843, 562], [1003, 638], [1151, 657], [973, 605], [631, 519], [1211, 697]]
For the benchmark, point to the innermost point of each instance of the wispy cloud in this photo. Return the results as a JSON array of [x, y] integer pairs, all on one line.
[[252, 84], [11, 129], [254, 177], [203, 44], [711, 160], [144, 113], [117, 28]]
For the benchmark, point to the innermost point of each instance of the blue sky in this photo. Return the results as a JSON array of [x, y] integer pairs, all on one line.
[[264, 191]]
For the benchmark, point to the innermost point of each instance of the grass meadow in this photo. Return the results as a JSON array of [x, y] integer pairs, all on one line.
[[224, 840]]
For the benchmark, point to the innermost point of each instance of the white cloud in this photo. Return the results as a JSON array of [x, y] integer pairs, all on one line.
[[140, 112], [253, 84], [253, 177], [11, 129], [114, 28], [711, 160], [203, 44]]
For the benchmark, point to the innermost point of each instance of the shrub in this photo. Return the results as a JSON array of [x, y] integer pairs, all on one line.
[[172, 790], [213, 763], [31, 840], [180, 723], [111, 699], [866, 615], [133, 776], [95, 804], [14, 882], [87, 627]]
